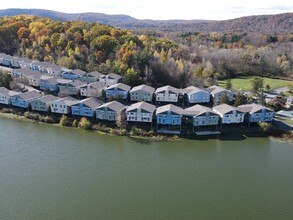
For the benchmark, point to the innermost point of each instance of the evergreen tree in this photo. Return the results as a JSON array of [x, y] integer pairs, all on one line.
[[224, 100], [257, 84], [240, 99], [261, 99], [229, 84]]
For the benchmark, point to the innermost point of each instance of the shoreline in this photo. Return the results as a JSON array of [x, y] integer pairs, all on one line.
[[113, 132], [227, 134]]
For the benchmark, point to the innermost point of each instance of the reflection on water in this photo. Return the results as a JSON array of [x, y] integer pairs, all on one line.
[[59, 173]]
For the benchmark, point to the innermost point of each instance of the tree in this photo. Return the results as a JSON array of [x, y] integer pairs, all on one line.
[[261, 99], [131, 77], [75, 123], [85, 124], [228, 84], [268, 87], [5, 79], [117, 98], [257, 84], [240, 99], [224, 100], [64, 121], [163, 56], [266, 127], [272, 39], [121, 120]]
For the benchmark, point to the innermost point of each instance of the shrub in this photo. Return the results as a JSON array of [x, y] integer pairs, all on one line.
[[121, 132], [101, 127], [85, 124], [265, 127], [141, 132], [6, 110], [33, 116], [64, 121], [75, 123], [47, 119]]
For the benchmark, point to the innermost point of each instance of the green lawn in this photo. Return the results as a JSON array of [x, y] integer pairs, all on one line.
[[288, 121], [243, 83]]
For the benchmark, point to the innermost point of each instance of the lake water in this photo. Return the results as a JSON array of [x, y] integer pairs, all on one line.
[[49, 172]]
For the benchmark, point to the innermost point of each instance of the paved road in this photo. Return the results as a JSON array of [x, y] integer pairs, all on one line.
[[279, 90]]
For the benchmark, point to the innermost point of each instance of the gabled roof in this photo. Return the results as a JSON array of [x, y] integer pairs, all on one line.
[[29, 95], [171, 108], [4, 90], [52, 66], [8, 92], [67, 100], [63, 81], [168, 88], [34, 75], [252, 108], [38, 63], [23, 60], [49, 79], [97, 85], [25, 71], [75, 71], [95, 74], [13, 93], [90, 102], [216, 89], [114, 76], [48, 99], [224, 108], [198, 110], [142, 105], [77, 83], [119, 86], [46, 77], [192, 89], [78, 72], [6, 56], [144, 88], [114, 105]]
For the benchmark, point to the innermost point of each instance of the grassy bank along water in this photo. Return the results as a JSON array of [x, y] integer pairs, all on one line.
[[140, 134], [85, 124]]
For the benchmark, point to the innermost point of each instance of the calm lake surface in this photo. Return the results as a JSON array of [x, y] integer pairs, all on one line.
[[58, 173]]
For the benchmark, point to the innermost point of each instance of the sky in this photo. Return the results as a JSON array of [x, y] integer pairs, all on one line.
[[161, 9]]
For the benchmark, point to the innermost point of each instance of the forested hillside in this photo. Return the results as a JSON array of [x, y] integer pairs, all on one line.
[[155, 58], [260, 24]]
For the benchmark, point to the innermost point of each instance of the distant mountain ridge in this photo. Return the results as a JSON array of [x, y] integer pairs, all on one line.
[[260, 23]]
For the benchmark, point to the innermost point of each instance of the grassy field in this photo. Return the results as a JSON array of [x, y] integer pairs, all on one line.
[[243, 83], [288, 121]]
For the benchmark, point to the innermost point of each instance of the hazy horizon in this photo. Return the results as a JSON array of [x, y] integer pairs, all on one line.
[[155, 10]]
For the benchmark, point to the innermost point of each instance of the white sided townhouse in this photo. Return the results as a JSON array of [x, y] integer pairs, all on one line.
[[218, 93], [109, 111], [167, 94], [196, 95], [43, 103], [110, 79], [257, 113], [229, 114], [94, 89], [63, 105], [202, 116], [5, 95], [142, 93], [140, 112]]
